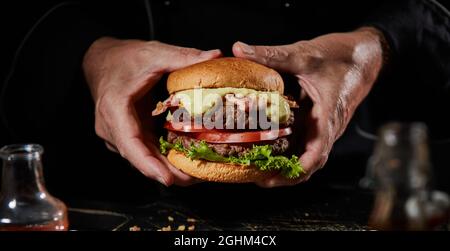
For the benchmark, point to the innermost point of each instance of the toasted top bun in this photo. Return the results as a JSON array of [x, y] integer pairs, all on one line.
[[215, 171], [226, 72]]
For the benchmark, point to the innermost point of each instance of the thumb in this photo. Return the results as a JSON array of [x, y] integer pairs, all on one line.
[[278, 57], [180, 57]]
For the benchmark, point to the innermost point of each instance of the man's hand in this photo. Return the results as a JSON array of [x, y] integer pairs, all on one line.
[[119, 73], [336, 72]]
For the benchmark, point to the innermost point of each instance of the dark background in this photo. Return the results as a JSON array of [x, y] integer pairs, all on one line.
[[76, 162]]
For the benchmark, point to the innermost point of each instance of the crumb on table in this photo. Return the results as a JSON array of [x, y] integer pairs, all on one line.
[[135, 228], [168, 228], [191, 220]]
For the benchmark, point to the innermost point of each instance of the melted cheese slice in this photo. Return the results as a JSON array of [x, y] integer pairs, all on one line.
[[199, 101]]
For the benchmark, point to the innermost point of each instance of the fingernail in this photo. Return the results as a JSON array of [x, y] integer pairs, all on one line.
[[161, 180], [246, 49]]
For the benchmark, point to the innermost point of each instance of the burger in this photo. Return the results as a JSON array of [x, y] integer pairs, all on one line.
[[228, 121]]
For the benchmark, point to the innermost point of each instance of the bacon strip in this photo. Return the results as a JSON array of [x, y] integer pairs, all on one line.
[[292, 103], [161, 107], [246, 100]]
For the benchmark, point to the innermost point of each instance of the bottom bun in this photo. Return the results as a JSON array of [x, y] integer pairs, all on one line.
[[216, 171]]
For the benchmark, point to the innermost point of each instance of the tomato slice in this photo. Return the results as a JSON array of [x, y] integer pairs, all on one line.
[[241, 137], [226, 136]]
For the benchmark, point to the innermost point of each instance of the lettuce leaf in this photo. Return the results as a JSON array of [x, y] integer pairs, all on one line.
[[260, 156], [164, 146], [203, 151]]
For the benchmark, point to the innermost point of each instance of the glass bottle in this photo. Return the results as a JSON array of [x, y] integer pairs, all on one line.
[[401, 174], [25, 204]]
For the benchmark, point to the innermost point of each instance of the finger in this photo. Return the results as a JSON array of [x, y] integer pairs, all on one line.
[[168, 58], [310, 161], [180, 178], [317, 141], [140, 157], [279, 180], [174, 57], [129, 142], [277, 57], [314, 158]]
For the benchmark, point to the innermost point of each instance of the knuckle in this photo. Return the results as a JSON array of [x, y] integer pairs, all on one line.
[[273, 53], [312, 62], [309, 57]]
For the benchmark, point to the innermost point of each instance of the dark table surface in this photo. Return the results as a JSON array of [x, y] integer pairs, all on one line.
[[231, 207]]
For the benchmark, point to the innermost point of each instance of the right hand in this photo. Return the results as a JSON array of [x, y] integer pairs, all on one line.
[[119, 73], [336, 72]]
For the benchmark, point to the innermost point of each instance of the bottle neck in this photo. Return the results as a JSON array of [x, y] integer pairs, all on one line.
[[22, 175]]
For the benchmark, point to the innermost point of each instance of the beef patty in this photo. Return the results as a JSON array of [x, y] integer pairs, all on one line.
[[279, 145]]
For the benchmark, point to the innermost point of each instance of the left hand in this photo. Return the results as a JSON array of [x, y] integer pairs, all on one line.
[[336, 72], [121, 74]]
